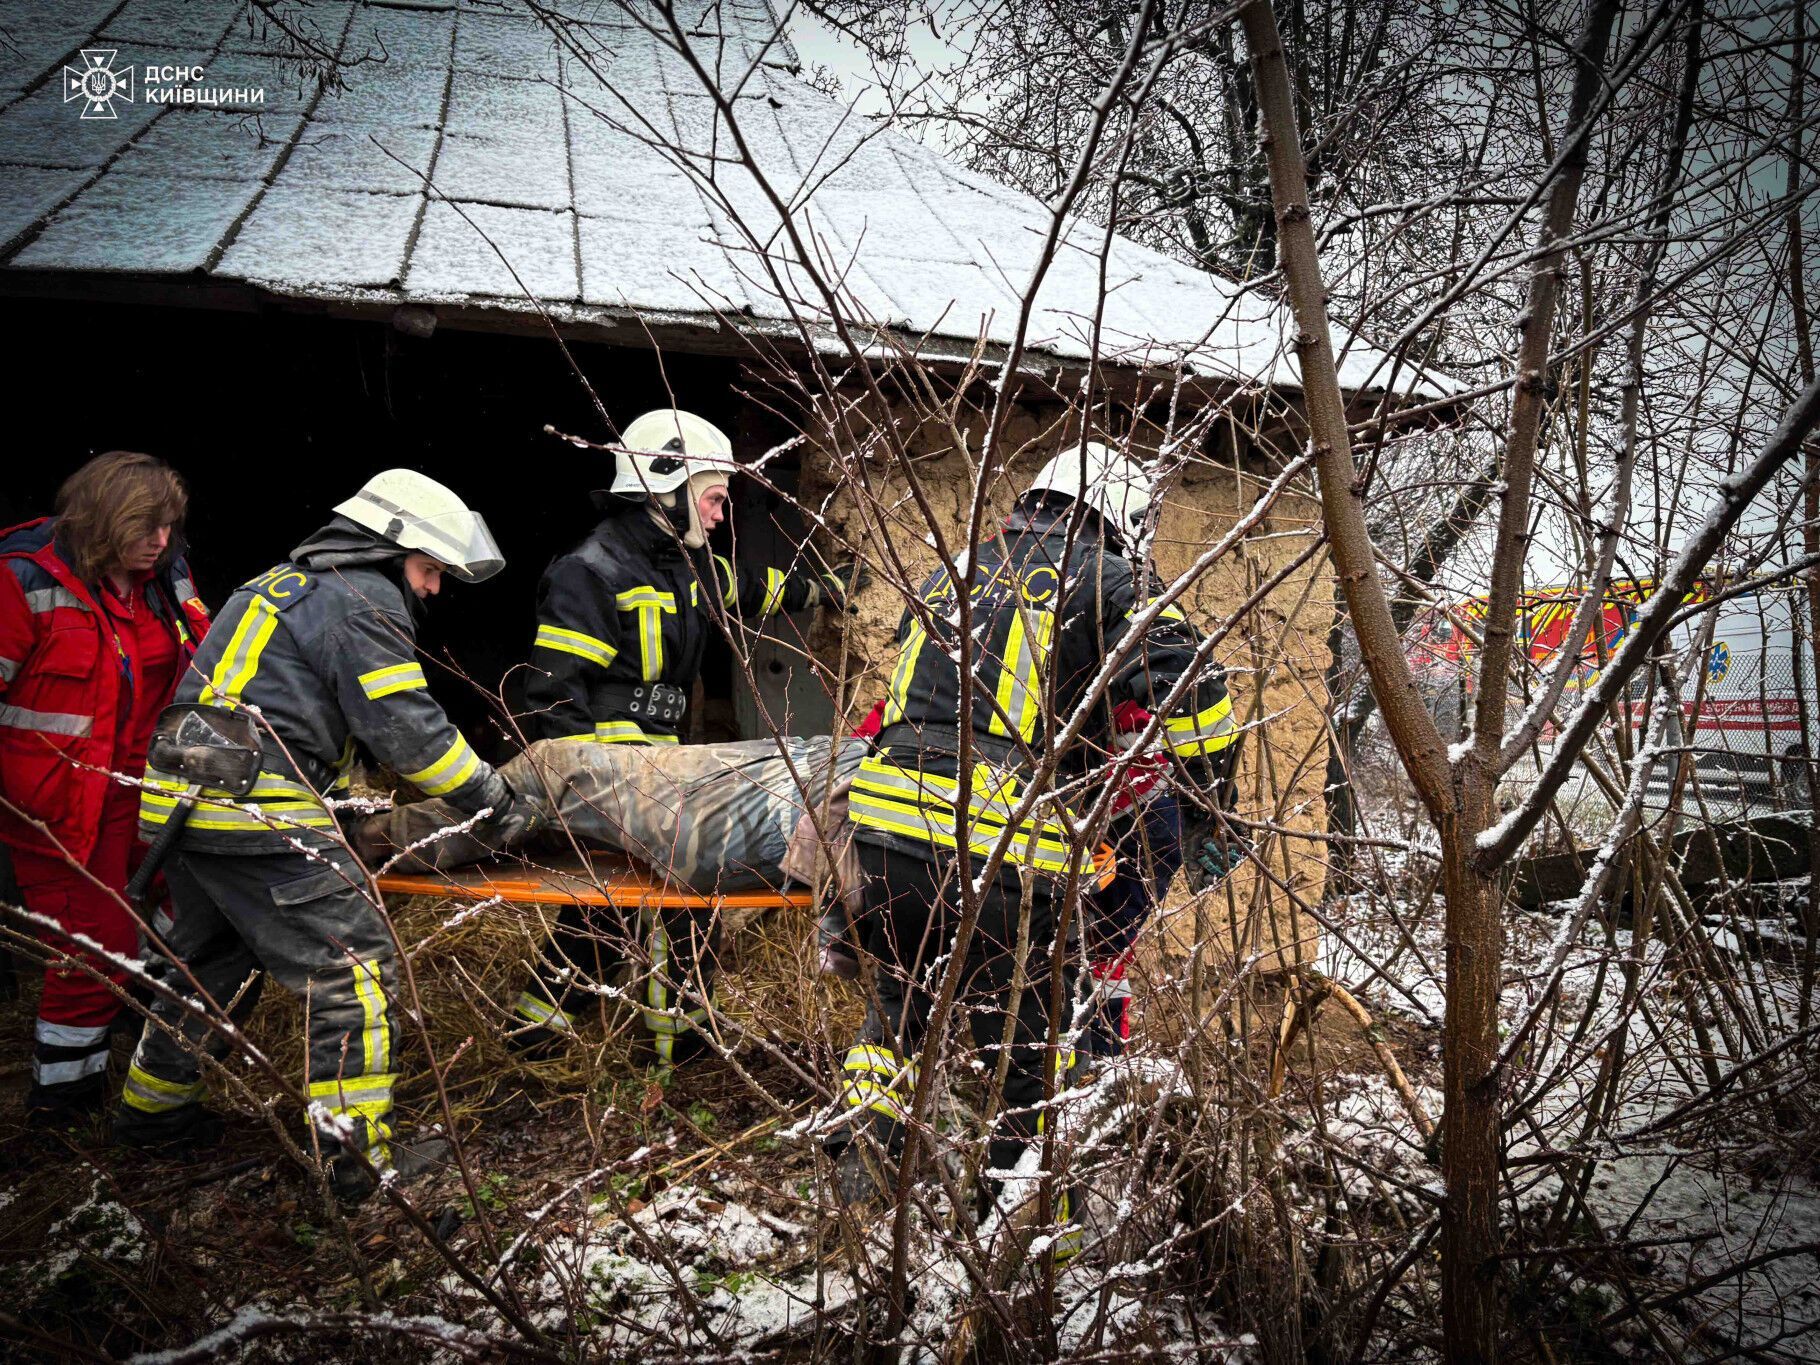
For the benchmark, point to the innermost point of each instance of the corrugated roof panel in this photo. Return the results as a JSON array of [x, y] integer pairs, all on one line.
[[497, 45], [348, 156], [32, 192], [33, 53], [528, 168], [307, 237], [177, 23], [41, 131], [122, 223], [210, 144], [614, 172], [660, 264], [398, 40], [289, 30], [454, 260]]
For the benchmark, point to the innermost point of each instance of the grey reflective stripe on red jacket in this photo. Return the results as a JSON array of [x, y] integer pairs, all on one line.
[[40, 600], [46, 722]]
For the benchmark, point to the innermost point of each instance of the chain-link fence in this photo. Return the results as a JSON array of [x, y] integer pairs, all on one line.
[[1742, 727]]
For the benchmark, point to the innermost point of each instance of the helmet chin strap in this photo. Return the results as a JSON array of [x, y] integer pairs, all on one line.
[[679, 509], [676, 511]]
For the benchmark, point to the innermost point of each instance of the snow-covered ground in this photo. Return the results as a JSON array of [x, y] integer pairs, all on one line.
[[1705, 1196]]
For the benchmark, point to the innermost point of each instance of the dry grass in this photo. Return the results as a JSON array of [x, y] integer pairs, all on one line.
[[469, 970]]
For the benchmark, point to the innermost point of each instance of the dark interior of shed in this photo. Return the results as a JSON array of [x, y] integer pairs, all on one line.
[[272, 418]]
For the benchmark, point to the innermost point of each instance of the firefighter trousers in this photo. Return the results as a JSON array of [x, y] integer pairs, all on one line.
[[912, 908], [307, 922], [672, 956]]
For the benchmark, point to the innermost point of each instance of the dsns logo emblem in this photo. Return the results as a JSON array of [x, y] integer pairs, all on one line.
[[97, 84]]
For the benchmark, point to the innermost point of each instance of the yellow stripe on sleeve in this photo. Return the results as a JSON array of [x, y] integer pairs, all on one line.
[[774, 591], [384, 682], [565, 641], [455, 767]]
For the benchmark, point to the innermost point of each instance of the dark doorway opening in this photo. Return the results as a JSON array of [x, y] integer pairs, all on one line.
[[273, 417]]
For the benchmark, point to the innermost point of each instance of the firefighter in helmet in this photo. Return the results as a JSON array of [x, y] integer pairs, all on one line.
[[321, 650], [622, 621], [1054, 602]]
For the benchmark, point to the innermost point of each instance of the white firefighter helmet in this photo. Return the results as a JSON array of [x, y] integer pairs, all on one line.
[[660, 451], [1111, 483], [414, 511]]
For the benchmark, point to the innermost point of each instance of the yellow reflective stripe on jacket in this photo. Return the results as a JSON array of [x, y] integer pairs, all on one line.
[[729, 585], [774, 591], [991, 797], [237, 665], [652, 606], [1172, 612], [384, 682], [920, 806], [455, 767], [566, 641], [933, 827], [274, 802], [897, 695], [1020, 681], [1204, 732], [625, 732]]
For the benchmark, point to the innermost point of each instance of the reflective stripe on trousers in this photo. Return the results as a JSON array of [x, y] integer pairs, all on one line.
[[880, 1080], [151, 1094], [662, 1020], [356, 1110], [534, 1009]]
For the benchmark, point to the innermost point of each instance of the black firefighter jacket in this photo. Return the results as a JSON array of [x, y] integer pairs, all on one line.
[[328, 655], [1045, 618], [630, 606]]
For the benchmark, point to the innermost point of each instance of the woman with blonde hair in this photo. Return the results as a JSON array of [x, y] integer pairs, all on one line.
[[98, 620]]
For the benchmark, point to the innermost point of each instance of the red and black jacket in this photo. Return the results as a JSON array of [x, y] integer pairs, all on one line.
[[62, 689]]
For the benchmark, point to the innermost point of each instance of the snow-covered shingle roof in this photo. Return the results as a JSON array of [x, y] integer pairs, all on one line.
[[473, 159]]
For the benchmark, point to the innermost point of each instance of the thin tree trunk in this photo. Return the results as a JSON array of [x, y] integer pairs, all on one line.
[[1460, 803], [1810, 528]]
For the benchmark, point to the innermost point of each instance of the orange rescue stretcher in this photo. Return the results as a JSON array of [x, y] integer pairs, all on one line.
[[613, 880]]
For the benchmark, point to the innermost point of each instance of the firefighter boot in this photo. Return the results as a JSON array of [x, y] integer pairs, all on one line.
[[353, 1178], [66, 1105], [861, 1182], [187, 1128]]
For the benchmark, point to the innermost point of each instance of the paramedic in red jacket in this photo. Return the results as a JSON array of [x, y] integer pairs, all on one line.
[[98, 619]]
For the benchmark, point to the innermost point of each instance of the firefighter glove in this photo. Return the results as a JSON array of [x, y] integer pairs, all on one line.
[[513, 821], [1209, 852], [845, 582]]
